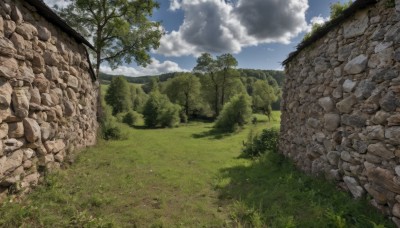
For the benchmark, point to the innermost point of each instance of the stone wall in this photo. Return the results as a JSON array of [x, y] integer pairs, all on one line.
[[341, 107], [47, 97]]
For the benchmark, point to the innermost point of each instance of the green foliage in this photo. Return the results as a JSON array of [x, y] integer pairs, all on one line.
[[338, 8], [109, 129], [184, 90], [315, 27], [138, 98], [264, 96], [121, 30], [131, 118], [236, 113], [159, 111], [260, 144], [117, 95]]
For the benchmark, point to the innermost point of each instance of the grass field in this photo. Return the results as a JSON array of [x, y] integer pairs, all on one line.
[[185, 177]]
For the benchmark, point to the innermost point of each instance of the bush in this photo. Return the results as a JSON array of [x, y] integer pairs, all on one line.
[[130, 118], [109, 129], [159, 111], [256, 145], [235, 113], [169, 115]]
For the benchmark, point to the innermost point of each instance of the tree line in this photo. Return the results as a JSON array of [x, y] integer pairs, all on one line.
[[215, 89]]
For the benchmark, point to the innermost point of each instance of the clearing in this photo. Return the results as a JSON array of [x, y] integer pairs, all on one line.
[[185, 177]]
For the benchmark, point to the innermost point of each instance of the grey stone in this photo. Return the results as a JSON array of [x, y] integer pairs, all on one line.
[[364, 89], [9, 27], [379, 149], [345, 156], [360, 146], [376, 132], [332, 121], [326, 103], [393, 134], [354, 187], [346, 105], [344, 52], [380, 117], [333, 157], [389, 102], [382, 46], [356, 65], [349, 85], [357, 26], [353, 120]]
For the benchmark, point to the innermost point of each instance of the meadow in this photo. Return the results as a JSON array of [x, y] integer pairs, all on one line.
[[186, 177]]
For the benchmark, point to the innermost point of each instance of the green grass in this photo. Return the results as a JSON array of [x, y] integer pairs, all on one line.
[[184, 177]]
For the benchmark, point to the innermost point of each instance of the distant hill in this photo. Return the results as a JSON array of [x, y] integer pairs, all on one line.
[[260, 74]]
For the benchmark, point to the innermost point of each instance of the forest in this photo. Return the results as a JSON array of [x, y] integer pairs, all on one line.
[[214, 90]]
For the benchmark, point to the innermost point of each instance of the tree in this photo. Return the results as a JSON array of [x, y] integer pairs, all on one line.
[[138, 98], [263, 97], [184, 90], [120, 29], [225, 63], [221, 77], [158, 110], [117, 95], [235, 113], [206, 64]]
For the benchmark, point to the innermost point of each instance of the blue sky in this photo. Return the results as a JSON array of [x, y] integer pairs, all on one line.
[[260, 33]]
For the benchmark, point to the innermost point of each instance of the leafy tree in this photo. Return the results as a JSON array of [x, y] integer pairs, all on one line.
[[235, 113], [225, 63], [263, 97], [208, 65], [158, 110], [221, 77], [120, 29], [152, 85], [117, 95], [184, 90], [138, 98]]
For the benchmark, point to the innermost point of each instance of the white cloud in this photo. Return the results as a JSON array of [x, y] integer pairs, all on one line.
[[319, 20], [60, 3], [219, 26], [155, 68], [175, 5]]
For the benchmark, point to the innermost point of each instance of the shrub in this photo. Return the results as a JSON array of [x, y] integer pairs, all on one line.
[[109, 129], [159, 111], [256, 145], [235, 113], [169, 115], [117, 95], [130, 118]]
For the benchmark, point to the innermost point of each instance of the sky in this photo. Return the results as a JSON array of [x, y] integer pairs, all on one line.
[[259, 33]]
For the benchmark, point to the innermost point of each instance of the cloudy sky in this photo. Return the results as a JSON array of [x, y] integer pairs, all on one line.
[[260, 33]]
